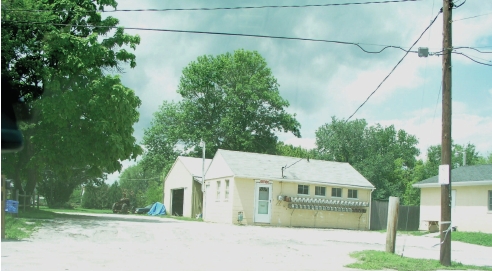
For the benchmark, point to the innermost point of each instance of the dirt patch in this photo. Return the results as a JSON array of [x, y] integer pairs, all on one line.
[[119, 242]]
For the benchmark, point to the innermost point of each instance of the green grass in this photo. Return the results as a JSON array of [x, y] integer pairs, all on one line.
[[476, 238], [379, 260], [18, 228], [182, 218], [25, 223], [77, 210], [414, 233]]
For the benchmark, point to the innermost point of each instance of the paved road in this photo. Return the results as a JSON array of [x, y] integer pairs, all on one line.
[[118, 242]]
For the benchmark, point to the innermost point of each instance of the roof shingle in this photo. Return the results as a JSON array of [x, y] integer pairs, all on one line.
[[265, 166]]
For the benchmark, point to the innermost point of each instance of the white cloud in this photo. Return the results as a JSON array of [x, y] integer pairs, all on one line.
[[466, 127], [321, 80]]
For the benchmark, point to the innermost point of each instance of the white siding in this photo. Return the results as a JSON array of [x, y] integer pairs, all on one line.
[[179, 177], [471, 211], [218, 210]]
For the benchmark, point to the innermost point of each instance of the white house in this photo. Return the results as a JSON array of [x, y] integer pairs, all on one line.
[[182, 187], [285, 191], [471, 199]]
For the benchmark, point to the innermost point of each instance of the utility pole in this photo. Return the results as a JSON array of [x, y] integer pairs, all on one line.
[[447, 47]]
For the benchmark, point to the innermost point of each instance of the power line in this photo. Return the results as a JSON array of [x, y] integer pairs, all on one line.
[[472, 48], [286, 167], [474, 60], [472, 17], [432, 22], [226, 8], [231, 34]]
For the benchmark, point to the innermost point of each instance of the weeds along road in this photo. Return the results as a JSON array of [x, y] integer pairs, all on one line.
[[129, 242]]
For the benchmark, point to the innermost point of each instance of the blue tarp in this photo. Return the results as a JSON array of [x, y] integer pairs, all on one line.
[[157, 209]]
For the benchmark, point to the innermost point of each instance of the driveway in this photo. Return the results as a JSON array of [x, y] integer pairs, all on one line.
[[119, 242]]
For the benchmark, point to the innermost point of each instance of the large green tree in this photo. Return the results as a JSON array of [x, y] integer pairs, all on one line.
[[293, 151], [383, 155], [459, 153], [82, 125], [231, 101]]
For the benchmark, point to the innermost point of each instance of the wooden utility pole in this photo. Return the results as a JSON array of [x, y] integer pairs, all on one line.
[[392, 226], [447, 47]]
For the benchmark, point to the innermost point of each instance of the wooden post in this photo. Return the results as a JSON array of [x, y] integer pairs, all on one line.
[[445, 252], [392, 226]]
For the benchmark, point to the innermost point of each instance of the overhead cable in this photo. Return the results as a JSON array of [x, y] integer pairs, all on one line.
[[229, 8], [472, 59], [231, 34], [476, 16], [472, 48], [394, 68]]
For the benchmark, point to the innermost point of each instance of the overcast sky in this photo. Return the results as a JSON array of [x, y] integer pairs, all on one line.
[[321, 80]]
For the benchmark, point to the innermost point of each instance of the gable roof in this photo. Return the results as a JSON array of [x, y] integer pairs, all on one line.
[[463, 176], [269, 167], [194, 165]]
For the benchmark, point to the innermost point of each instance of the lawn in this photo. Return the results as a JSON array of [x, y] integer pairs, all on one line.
[[379, 260], [78, 210], [414, 233], [25, 223], [476, 238], [182, 218]]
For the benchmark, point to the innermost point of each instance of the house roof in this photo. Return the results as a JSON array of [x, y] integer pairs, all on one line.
[[194, 165], [265, 166], [463, 176]]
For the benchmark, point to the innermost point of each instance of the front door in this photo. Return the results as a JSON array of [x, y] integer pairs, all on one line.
[[263, 202]]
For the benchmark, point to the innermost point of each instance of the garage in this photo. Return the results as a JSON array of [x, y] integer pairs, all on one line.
[[177, 202]]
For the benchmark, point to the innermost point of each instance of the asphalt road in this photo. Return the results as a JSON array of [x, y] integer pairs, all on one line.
[[128, 242]]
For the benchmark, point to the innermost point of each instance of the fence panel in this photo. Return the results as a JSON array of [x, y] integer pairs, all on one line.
[[408, 216]]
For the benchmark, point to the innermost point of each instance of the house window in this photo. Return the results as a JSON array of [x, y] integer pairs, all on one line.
[[490, 200], [352, 194], [336, 192], [226, 194], [218, 190], [320, 191], [303, 189]]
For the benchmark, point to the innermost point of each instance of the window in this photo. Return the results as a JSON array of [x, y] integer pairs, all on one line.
[[352, 194], [303, 189], [490, 200], [218, 190], [226, 194], [336, 192], [320, 191]]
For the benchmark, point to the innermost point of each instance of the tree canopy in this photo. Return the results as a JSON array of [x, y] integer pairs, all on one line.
[[383, 155], [82, 125], [231, 101]]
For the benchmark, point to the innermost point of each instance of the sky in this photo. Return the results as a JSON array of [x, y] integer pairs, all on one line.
[[319, 79]]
